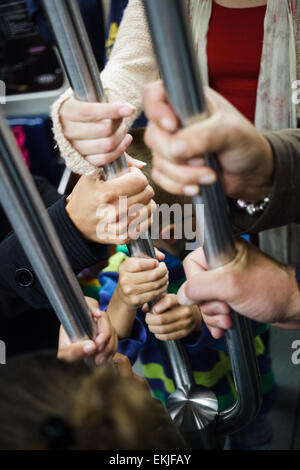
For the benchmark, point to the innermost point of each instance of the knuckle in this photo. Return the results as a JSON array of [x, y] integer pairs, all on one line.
[[109, 128], [109, 144], [135, 299], [107, 197]]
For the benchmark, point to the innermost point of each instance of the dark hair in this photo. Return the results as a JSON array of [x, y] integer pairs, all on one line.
[[50, 404]]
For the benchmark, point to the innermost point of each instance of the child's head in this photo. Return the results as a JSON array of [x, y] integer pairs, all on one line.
[[174, 246], [50, 404]]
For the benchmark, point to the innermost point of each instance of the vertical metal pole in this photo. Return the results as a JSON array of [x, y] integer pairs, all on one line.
[[33, 227], [172, 41]]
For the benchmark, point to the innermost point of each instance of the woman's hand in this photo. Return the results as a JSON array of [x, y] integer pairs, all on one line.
[[96, 130], [171, 321], [244, 154], [104, 212], [100, 350]]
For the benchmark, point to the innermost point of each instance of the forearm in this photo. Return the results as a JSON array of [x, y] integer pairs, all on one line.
[[132, 62], [291, 318], [121, 316], [284, 205], [17, 278]]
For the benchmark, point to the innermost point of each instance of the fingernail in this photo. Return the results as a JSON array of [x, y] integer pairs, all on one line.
[[139, 162], [207, 179], [168, 124], [191, 190], [178, 149], [89, 348], [128, 139], [97, 312], [182, 297], [126, 111]]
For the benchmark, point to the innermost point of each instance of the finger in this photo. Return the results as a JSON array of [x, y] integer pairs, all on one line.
[[123, 364], [154, 274], [77, 351], [142, 198], [133, 162], [222, 322], [195, 263], [165, 319], [108, 352], [157, 107], [204, 287], [160, 256], [91, 148], [145, 308], [185, 175], [80, 111], [166, 303], [104, 328], [106, 158], [217, 333], [215, 308], [173, 336], [147, 287], [91, 130], [149, 296], [129, 184], [170, 329], [136, 265], [171, 186]]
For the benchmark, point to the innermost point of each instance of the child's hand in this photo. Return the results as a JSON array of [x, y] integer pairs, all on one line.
[[102, 349], [141, 280], [171, 321]]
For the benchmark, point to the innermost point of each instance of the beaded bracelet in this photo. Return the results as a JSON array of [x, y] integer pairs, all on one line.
[[253, 208]]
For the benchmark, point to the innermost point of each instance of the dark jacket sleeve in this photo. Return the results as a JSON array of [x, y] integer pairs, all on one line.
[[19, 287], [284, 206]]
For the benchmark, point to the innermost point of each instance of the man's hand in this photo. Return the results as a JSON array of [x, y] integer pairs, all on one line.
[[98, 213], [245, 156], [171, 321], [252, 284], [102, 349]]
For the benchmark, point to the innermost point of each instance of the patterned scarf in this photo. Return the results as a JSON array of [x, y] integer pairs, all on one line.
[[274, 106]]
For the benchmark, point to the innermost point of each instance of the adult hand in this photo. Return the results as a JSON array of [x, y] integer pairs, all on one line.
[[97, 211], [96, 130], [245, 156], [252, 284]]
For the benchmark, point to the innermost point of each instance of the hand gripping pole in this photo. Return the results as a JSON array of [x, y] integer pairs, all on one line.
[[72, 40], [169, 26], [33, 227]]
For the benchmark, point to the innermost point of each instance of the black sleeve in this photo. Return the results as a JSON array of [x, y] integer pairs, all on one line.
[[284, 206], [19, 287]]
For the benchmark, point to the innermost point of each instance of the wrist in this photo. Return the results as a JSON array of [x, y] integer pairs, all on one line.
[[267, 170], [293, 311]]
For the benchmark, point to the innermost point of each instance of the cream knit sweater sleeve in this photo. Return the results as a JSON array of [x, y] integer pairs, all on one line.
[[132, 65]]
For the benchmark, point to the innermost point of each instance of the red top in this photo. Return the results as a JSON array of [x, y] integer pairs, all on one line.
[[234, 48]]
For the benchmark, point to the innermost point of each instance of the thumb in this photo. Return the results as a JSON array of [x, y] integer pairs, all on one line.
[[203, 287]]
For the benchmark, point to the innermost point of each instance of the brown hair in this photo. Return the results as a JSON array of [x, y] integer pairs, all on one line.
[[50, 404]]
